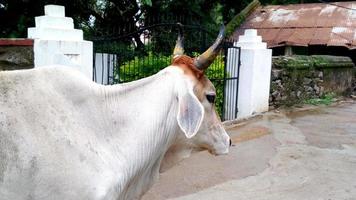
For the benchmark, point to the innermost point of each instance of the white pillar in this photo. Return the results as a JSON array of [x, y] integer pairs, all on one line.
[[255, 74], [57, 42]]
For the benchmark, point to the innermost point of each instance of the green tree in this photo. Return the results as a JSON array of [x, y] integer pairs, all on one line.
[[91, 15], [17, 15], [105, 17]]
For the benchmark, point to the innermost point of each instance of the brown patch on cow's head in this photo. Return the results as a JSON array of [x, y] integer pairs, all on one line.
[[202, 83], [187, 64]]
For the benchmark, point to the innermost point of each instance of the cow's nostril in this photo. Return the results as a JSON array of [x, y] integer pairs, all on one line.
[[230, 142]]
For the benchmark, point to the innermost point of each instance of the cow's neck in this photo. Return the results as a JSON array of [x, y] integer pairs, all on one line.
[[142, 117]]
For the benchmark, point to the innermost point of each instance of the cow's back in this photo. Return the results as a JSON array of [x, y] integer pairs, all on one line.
[[47, 119]]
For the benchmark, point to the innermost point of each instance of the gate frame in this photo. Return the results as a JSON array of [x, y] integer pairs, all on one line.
[[230, 45]]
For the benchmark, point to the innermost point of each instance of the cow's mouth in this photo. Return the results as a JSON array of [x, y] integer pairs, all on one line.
[[212, 152], [215, 153]]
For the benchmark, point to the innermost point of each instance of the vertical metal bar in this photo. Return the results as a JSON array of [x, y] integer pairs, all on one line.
[[123, 75], [118, 67], [134, 70], [149, 55], [94, 65], [234, 114], [115, 74], [137, 66], [102, 68], [238, 78], [230, 80], [112, 69], [143, 56], [231, 83], [233, 70], [108, 69], [224, 82]]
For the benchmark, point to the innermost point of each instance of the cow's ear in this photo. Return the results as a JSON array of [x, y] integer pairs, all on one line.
[[190, 114]]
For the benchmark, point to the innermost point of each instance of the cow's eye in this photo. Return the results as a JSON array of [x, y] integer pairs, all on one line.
[[210, 98]]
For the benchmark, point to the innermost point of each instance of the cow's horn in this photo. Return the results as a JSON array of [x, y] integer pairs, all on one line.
[[203, 61], [179, 48]]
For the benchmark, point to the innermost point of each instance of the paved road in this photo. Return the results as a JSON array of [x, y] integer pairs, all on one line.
[[309, 154]]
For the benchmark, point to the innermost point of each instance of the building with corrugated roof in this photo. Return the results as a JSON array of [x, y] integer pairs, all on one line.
[[317, 28]]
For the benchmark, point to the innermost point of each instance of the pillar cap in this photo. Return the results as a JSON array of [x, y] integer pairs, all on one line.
[[54, 11], [250, 40]]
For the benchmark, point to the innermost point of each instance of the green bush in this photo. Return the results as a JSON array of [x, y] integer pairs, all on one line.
[[326, 99], [141, 67]]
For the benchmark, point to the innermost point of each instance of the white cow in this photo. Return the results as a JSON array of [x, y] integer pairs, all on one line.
[[63, 137]]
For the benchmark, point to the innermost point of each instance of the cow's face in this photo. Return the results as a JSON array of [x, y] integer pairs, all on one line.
[[196, 116], [211, 135], [200, 127]]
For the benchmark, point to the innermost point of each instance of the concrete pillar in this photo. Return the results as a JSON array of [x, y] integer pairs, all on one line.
[[255, 74], [57, 42]]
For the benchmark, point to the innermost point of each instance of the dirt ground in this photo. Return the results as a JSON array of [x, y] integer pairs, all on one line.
[[307, 153]]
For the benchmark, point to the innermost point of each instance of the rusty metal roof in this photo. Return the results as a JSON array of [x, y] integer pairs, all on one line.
[[304, 24]]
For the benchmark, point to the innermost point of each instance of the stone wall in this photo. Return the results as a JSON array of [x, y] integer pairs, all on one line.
[[297, 78], [16, 54]]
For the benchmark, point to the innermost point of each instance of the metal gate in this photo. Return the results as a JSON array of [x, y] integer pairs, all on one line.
[[231, 81], [117, 60], [120, 59]]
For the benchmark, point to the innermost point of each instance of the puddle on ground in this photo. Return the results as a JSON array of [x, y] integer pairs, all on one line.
[[250, 134]]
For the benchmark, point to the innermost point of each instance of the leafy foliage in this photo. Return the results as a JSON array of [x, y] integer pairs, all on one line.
[[326, 99], [99, 17], [141, 67]]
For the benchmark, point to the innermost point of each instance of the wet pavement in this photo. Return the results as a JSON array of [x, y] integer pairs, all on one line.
[[308, 153]]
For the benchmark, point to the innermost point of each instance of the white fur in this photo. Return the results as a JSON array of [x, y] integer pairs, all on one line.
[[65, 137]]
